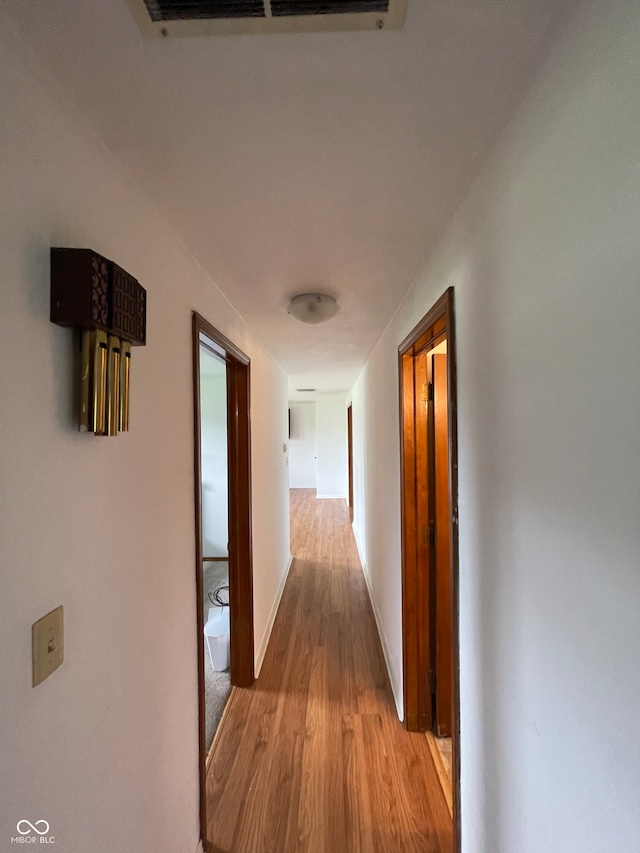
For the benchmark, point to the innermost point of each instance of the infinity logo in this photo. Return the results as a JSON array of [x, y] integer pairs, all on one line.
[[32, 827]]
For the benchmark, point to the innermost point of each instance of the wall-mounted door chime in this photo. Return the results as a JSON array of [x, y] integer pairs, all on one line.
[[91, 293]]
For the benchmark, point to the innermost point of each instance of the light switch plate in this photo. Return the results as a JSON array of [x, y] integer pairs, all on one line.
[[47, 636]]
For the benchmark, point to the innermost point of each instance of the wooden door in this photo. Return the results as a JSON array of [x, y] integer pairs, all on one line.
[[424, 530], [423, 708], [443, 603]]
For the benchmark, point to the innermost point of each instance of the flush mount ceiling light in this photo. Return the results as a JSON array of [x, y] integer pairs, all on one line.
[[313, 307]]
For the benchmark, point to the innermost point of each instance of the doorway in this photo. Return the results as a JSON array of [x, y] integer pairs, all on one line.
[[215, 535], [302, 445], [429, 500], [222, 499]]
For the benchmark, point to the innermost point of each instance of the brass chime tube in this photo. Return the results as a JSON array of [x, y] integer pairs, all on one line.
[[85, 379], [123, 399], [97, 420], [104, 383], [113, 385]]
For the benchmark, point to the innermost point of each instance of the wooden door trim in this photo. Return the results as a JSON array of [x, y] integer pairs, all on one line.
[[438, 320], [350, 456], [240, 550], [443, 605], [225, 348]]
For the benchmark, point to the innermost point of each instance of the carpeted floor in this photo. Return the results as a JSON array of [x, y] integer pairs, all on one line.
[[217, 684]]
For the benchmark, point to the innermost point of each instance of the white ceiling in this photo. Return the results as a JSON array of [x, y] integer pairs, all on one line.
[[288, 163]]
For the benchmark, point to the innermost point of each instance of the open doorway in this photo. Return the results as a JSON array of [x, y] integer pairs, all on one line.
[[302, 445], [428, 431], [224, 573], [215, 536]]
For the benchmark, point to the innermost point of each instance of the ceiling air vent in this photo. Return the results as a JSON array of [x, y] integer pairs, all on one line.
[[203, 10], [168, 18], [331, 7]]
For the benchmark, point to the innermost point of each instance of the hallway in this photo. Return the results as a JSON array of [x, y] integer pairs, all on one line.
[[312, 757]]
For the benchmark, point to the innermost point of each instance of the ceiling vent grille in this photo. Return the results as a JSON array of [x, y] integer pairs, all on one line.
[[331, 7], [203, 10], [169, 18]]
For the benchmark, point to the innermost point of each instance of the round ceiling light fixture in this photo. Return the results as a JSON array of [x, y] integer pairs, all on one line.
[[313, 308]]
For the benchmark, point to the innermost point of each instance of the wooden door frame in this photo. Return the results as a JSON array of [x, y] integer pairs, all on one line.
[[438, 323], [240, 546], [350, 457]]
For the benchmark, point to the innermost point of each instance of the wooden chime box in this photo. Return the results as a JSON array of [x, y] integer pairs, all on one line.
[[91, 292], [109, 306]]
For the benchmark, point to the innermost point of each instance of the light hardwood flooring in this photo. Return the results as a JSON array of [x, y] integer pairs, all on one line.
[[441, 752], [445, 750], [312, 758]]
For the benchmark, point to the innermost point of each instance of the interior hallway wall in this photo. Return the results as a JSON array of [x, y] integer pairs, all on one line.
[[544, 257], [106, 749], [302, 446], [359, 409], [331, 443]]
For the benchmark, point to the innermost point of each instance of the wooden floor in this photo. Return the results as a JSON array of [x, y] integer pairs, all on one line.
[[445, 748], [312, 758], [441, 752]]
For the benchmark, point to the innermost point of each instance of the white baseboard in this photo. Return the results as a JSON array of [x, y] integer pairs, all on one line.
[[262, 648], [331, 497], [395, 688]]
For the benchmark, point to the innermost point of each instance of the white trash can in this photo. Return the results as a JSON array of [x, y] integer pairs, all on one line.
[[217, 637]]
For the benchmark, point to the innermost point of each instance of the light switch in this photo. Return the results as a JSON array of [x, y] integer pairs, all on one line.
[[47, 637]]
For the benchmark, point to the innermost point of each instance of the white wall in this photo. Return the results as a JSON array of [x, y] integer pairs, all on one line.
[[213, 444], [544, 256], [318, 446], [331, 443], [106, 748], [359, 409], [302, 446]]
